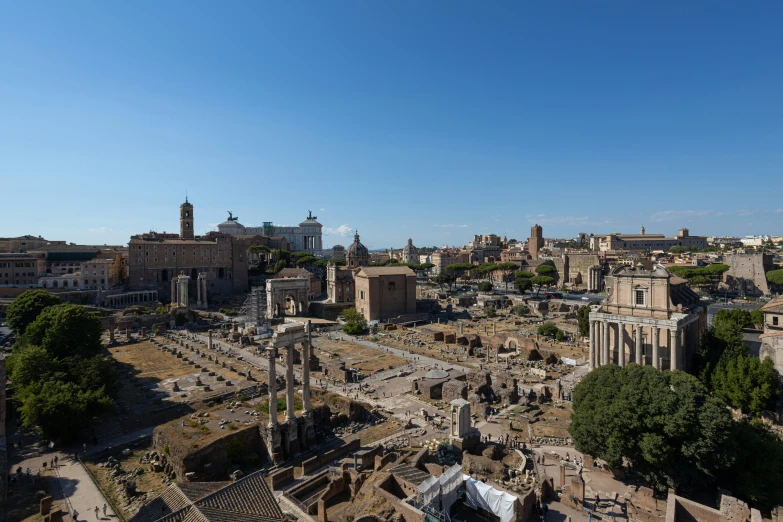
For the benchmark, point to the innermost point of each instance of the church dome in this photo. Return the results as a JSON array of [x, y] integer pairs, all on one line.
[[357, 249]]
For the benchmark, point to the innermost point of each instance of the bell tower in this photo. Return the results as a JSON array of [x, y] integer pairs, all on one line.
[[186, 220]]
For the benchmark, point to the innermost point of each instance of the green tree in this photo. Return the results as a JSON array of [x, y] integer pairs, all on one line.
[[306, 260], [583, 319], [29, 364], [490, 311], [746, 383], [94, 373], [485, 286], [665, 423], [676, 250], [61, 409], [281, 264], [507, 268], [773, 276], [541, 281], [521, 310], [757, 317], [546, 270], [548, 329], [758, 473], [26, 306], [66, 330], [355, 323], [460, 268], [560, 336], [446, 278], [523, 284], [524, 274]]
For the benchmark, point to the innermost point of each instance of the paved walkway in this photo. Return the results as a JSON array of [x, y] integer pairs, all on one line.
[[80, 492]]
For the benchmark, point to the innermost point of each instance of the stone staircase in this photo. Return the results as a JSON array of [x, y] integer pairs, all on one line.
[[108, 431]]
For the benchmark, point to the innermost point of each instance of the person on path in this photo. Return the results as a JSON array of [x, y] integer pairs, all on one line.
[[75, 515], [589, 516], [84, 447], [97, 513], [104, 509]]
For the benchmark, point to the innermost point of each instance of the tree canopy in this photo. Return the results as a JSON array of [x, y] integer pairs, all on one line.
[[541, 281], [65, 330], [773, 276], [523, 284], [25, 308], [548, 329], [59, 377], [583, 319], [355, 323], [665, 423], [545, 270], [746, 383], [485, 286]]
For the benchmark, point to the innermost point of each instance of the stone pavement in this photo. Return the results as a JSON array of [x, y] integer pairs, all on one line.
[[79, 491]]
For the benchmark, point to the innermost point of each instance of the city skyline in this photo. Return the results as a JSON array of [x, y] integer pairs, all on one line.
[[432, 121]]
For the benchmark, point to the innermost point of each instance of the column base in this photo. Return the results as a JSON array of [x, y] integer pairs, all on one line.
[[274, 443], [308, 429]]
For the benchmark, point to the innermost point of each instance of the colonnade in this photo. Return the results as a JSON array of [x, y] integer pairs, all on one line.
[[130, 298], [594, 279], [608, 344], [289, 383], [311, 243]]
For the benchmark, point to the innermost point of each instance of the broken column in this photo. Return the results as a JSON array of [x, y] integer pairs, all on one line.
[[209, 342]]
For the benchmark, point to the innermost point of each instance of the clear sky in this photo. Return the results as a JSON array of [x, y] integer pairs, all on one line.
[[434, 120]]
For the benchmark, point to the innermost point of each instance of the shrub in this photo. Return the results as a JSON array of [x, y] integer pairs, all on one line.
[[490, 311], [548, 329], [521, 310]]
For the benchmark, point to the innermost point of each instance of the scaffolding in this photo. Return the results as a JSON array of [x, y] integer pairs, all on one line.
[[253, 312]]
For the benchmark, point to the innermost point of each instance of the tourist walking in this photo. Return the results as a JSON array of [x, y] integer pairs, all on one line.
[[104, 509]]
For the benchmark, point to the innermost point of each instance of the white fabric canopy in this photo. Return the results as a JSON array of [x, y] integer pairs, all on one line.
[[483, 496], [430, 490]]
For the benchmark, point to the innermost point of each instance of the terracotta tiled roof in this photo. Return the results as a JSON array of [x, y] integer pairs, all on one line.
[[775, 306], [293, 272], [248, 499], [374, 271]]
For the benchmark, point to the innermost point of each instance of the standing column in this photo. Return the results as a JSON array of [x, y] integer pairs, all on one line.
[[674, 343], [607, 359], [272, 388], [655, 348], [289, 383], [621, 344], [592, 344], [198, 290], [639, 345], [306, 368]]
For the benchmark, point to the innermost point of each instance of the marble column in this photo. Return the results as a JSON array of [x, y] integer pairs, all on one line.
[[656, 348], [272, 388], [620, 344], [592, 345], [198, 292], [204, 301], [639, 346], [306, 369], [674, 357], [606, 347], [289, 383]]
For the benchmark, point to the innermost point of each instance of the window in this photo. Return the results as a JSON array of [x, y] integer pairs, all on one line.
[[640, 297], [774, 320], [391, 286]]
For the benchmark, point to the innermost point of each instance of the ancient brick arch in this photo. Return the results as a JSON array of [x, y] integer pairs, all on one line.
[[287, 297]]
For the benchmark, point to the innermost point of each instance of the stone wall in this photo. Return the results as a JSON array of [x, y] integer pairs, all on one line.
[[211, 461], [579, 268], [748, 273]]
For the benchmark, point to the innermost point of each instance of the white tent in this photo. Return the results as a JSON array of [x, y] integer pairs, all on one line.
[[483, 496], [450, 482], [430, 491]]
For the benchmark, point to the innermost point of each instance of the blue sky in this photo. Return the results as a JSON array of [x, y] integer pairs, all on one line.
[[435, 120]]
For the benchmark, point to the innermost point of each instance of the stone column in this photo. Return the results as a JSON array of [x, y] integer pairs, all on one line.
[[198, 291], [272, 388], [674, 357], [209, 340], [289, 383], [204, 301], [306, 368], [639, 345], [592, 345], [620, 344], [174, 300], [655, 348], [607, 353]]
